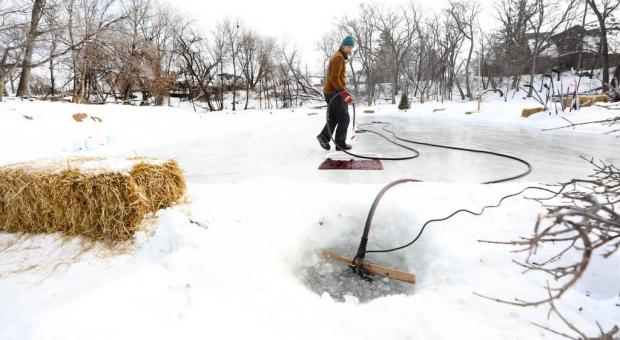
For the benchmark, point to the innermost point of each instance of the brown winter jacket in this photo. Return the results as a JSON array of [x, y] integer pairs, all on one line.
[[336, 79]]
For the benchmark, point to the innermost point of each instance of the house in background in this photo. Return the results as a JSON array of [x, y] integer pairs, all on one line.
[[228, 78], [565, 48]]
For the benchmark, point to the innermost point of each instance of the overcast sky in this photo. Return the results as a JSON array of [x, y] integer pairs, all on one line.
[[302, 22]]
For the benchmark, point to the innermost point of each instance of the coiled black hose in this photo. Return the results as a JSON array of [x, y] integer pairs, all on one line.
[[362, 251]]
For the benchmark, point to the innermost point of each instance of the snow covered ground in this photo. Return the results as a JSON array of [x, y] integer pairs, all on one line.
[[255, 271]]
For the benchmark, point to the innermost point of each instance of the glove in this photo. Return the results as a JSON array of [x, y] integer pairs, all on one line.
[[346, 97]]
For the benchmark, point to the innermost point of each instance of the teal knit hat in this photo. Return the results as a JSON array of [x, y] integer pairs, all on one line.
[[348, 41]]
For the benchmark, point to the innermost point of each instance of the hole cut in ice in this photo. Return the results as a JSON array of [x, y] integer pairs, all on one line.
[[322, 275]]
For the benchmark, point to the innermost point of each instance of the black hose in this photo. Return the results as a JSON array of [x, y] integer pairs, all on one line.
[[371, 215], [361, 251], [492, 153]]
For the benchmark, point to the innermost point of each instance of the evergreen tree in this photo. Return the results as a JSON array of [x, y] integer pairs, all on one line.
[[404, 104]]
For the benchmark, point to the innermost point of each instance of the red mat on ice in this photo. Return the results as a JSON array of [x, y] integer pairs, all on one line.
[[352, 164]]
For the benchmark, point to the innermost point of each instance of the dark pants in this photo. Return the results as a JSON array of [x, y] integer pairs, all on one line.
[[337, 119]]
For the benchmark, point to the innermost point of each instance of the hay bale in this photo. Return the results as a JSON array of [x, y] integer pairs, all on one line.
[[601, 98], [528, 112], [568, 102], [586, 101], [163, 185], [96, 204]]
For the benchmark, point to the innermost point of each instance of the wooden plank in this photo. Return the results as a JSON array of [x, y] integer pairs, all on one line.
[[373, 268]]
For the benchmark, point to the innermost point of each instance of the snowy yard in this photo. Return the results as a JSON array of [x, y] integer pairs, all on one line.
[[256, 271]]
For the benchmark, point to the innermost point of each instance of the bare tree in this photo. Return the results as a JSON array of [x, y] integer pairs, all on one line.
[[97, 48], [515, 20], [465, 15], [287, 55], [364, 29], [266, 55], [132, 46], [551, 14], [327, 46], [398, 29], [158, 36], [255, 55], [604, 11], [51, 16], [293, 74], [12, 27], [450, 42], [33, 33], [220, 52], [88, 24], [200, 61], [423, 67], [582, 221], [232, 31]]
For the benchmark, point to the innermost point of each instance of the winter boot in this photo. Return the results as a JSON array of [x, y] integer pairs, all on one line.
[[344, 147], [324, 144]]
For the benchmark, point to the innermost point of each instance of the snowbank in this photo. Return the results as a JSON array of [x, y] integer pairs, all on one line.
[[255, 270]]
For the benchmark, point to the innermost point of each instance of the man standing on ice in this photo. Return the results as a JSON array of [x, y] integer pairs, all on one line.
[[338, 98]]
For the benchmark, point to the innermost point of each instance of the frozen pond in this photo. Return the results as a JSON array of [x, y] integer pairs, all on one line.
[[244, 154]]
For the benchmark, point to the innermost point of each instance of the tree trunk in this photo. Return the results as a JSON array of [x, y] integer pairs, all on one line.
[[266, 90], [82, 88], [450, 83], [52, 76], [467, 78], [160, 85], [458, 86], [75, 80], [23, 90], [247, 95], [370, 89], [492, 82], [275, 90], [354, 78], [605, 51], [127, 94], [616, 78], [532, 71], [52, 79], [260, 94], [234, 83], [145, 98], [603, 42], [221, 85], [3, 89], [394, 86], [289, 93], [581, 38]]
